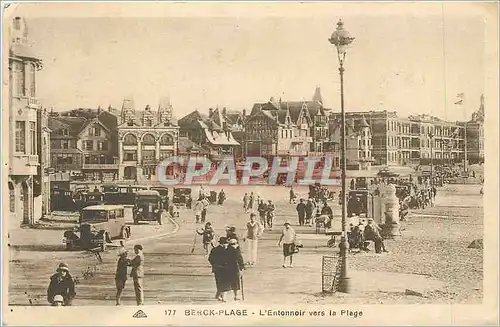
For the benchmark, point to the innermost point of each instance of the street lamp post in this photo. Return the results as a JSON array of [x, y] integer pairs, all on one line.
[[341, 40]]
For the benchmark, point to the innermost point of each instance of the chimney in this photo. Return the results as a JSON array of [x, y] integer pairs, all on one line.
[[98, 110], [210, 112], [224, 111], [109, 108], [244, 112]]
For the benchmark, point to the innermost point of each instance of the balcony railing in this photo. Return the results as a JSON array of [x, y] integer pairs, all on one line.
[[301, 139], [32, 102], [100, 166]]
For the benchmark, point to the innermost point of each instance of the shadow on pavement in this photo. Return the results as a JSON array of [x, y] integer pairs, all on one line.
[[39, 248]]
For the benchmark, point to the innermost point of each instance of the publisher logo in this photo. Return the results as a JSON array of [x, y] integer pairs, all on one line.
[[140, 314]]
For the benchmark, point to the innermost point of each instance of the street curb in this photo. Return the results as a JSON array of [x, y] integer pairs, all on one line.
[[174, 231]]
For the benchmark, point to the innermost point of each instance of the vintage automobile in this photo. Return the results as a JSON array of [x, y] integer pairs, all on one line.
[[122, 194], [148, 206], [98, 225], [182, 197], [386, 172], [85, 199], [163, 193], [360, 203], [62, 200]]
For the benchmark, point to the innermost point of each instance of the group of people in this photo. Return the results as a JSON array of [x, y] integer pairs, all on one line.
[[61, 290], [314, 209]]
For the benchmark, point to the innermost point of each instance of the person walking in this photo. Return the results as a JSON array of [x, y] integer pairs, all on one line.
[[62, 284], [205, 204], [198, 209], [208, 235], [218, 261], [251, 201], [245, 202], [235, 266], [231, 233], [288, 237], [270, 214], [301, 211], [222, 197], [121, 273], [262, 208], [309, 211], [254, 231], [137, 273]]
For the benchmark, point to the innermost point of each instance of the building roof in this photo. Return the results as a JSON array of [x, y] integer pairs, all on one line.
[[186, 145], [74, 124], [317, 95]]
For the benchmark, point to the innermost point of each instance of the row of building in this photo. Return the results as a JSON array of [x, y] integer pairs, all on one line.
[[127, 143]]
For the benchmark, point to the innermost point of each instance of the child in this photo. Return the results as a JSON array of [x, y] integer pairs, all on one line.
[[208, 235]]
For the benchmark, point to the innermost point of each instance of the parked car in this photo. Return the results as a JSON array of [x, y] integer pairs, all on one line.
[[182, 197], [148, 206], [98, 225]]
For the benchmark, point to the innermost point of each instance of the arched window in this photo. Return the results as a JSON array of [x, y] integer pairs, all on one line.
[[130, 139], [167, 139], [148, 139]]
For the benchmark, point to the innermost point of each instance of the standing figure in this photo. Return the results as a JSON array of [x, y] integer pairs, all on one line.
[[218, 261], [198, 209], [245, 202], [61, 283], [121, 273], [251, 201], [205, 203], [222, 197], [309, 211], [262, 208], [234, 267], [208, 235], [292, 195], [301, 211], [288, 237], [270, 214], [137, 273], [254, 231]]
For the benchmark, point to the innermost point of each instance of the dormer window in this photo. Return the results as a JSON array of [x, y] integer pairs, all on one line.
[[65, 132], [130, 122]]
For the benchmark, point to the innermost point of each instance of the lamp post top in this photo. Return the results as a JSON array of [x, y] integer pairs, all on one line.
[[341, 37]]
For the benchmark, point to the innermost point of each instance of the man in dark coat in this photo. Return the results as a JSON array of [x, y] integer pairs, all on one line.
[[309, 211], [235, 265], [218, 261], [301, 211], [61, 283]]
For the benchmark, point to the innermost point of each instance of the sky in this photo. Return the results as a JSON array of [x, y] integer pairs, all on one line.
[[406, 57]]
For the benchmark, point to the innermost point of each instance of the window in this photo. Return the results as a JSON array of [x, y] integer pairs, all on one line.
[[19, 75], [95, 131], [130, 140], [130, 122], [148, 155], [64, 144], [88, 145], [102, 145], [20, 136], [148, 139], [167, 140], [33, 138], [130, 156]]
